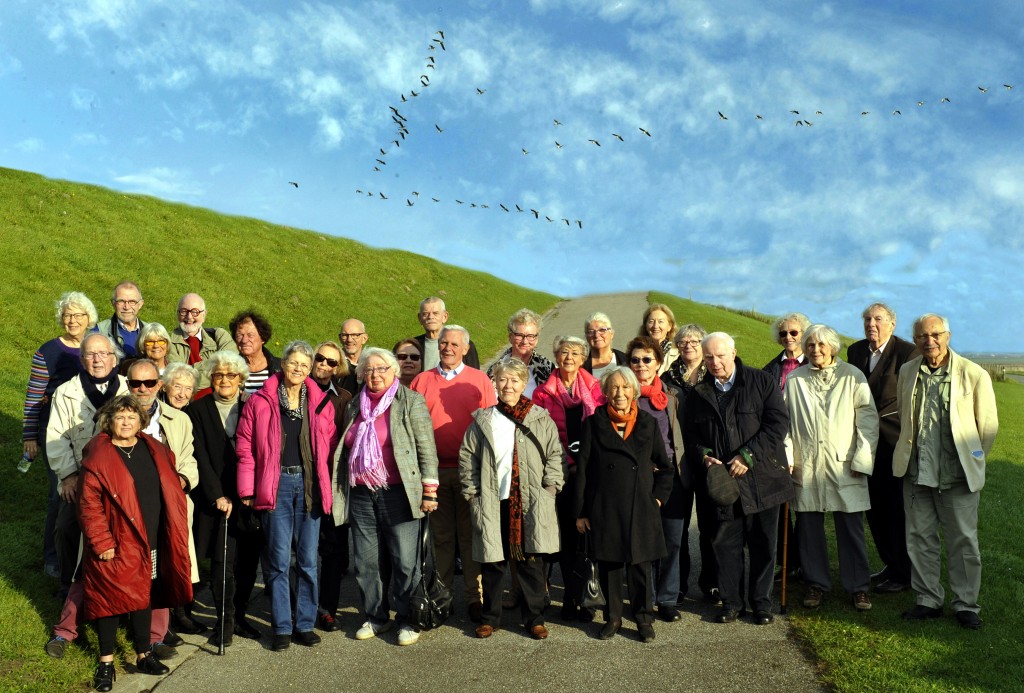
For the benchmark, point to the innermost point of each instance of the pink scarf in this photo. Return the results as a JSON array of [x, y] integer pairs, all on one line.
[[581, 395], [366, 459]]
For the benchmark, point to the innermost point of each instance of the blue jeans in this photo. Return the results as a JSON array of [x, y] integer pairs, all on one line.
[[288, 525], [384, 514], [670, 581]]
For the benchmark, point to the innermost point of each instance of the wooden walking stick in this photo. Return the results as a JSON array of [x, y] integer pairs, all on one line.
[[785, 556]]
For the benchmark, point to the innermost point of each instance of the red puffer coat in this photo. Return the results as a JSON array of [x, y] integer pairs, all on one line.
[[110, 516]]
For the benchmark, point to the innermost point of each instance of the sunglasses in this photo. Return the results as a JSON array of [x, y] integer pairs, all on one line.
[[320, 358], [791, 333], [136, 384], [641, 359], [410, 357]]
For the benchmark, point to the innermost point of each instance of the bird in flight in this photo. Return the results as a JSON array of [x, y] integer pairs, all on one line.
[[358, 191], [383, 196], [557, 122], [379, 161], [460, 202], [519, 209], [438, 127], [758, 116], [644, 131], [896, 112], [557, 145], [440, 33], [945, 99], [377, 169], [536, 214], [799, 122], [440, 43], [595, 142], [525, 152], [291, 182], [480, 91], [1008, 87], [795, 112], [920, 103], [550, 220], [503, 206], [721, 116], [435, 199], [618, 136], [817, 113], [565, 220], [408, 202], [983, 90], [413, 93], [579, 223], [382, 153], [864, 113]]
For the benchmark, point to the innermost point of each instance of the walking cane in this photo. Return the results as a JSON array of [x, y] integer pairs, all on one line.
[[223, 589], [785, 555]]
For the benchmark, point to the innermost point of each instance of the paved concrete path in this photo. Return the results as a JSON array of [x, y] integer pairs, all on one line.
[[694, 654]]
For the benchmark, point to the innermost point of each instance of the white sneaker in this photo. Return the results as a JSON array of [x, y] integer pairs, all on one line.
[[407, 635], [369, 630]]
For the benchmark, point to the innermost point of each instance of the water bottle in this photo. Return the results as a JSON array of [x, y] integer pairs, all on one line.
[[24, 464]]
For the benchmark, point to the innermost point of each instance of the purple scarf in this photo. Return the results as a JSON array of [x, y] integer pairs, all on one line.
[[366, 459]]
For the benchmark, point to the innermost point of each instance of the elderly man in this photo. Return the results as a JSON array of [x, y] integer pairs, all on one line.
[[948, 424], [736, 417], [523, 332], [123, 326], [453, 392], [880, 355], [190, 341], [353, 338], [432, 317]]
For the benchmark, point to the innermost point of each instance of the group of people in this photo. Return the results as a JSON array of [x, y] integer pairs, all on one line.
[[168, 447]]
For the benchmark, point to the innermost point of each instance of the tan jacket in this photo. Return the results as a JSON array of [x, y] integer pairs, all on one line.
[[831, 439], [540, 477], [72, 425], [176, 429], [972, 416]]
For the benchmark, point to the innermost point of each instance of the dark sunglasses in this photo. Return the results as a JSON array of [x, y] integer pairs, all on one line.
[[320, 358], [135, 384], [791, 333], [411, 357], [641, 359]]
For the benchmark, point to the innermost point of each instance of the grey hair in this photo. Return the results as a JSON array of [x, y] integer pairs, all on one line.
[[232, 359], [382, 354], [135, 363], [454, 328], [515, 366], [798, 318], [824, 333], [118, 354], [888, 311], [432, 299], [192, 293], [523, 316], [297, 346], [127, 282], [178, 369], [562, 340], [151, 329], [597, 316], [76, 298], [930, 316], [628, 375], [723, 336], [686, 330]]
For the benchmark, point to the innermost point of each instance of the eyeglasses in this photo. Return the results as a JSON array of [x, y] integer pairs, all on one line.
[[225, 376], [180, 389], [98, 355], [155, 342], [195, 312], [641, 359], [77, 317], [379, 370], [126, 302], [408, 357], [570, 354], [148, 383], [599, 331], [521, 337], [320, 358], [297, 366], [688, 342], [344, 336], [791, 333]]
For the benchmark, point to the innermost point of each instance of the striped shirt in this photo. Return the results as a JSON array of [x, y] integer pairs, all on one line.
[[256, 380], [52, 365]]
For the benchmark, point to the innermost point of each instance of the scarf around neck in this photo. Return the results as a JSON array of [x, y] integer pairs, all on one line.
[[517, 413], [580, 395], [656, 394], [282, 398], [625, 422], [366, 460], [97, 398]]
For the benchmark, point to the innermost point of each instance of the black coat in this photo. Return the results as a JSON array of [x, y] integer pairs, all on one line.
[[618, 484], [761, 426], [774, 367], [882, 381]]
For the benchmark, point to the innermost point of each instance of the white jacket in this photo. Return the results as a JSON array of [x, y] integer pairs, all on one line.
[[72, 425]]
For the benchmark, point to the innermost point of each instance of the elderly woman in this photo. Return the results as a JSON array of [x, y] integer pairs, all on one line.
[[687, 370], [180, 381], [662, 402], [410, 360], [523, 332], [623, 478], [659, 323], [214, 422], [53, 364], [570, 396], [152, 344], [833, 431], [284, 441], [385, 480], [251, 332], [600, 333], [510, 466], [135, 526]]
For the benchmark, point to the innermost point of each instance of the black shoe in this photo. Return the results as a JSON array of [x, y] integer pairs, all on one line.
[[162, 650], [570, 612], [229, 632], [881, 576], [713, 597], [609, 630], [281, 642], [668, 613], [183, 621], [763, 618], [586, 615], [152, 666], [173, 639], [646, 631], [890, 587], [327, 623], [56, 647], [306, 637], [244, 629], [727, 616], [968, 619], [921, 613], [103, 679]]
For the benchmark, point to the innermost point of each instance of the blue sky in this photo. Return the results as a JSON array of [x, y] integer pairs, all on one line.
[[221, 104]]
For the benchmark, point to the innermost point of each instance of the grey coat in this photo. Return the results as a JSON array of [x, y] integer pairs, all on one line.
[[412, 439], [540, 478]]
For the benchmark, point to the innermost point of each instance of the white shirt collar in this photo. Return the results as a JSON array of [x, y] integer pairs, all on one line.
[[727, 385], [450, 375]]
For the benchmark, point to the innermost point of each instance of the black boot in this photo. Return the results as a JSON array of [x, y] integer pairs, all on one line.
[[105, 676], [181, 617]]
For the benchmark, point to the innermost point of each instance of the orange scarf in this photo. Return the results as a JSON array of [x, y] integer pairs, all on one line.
[[619, 421]]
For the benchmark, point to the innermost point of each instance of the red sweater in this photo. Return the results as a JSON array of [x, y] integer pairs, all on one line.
[[451, 404]]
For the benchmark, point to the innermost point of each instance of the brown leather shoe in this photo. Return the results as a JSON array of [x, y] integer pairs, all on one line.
[[538, 632], [485, 631]]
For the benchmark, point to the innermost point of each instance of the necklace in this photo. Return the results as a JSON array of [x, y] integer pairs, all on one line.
[[127, 453]]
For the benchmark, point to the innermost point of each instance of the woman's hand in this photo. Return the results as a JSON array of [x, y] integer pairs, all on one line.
[[31, 449], [223, 505], [247, 502], [107, 555], [582, 524], [429, 504]]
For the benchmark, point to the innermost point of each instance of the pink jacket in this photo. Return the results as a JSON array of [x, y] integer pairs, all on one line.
[[258, 444], [547, 396]]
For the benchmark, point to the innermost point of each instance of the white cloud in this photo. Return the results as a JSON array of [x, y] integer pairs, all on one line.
[[162, 182], [32, 144]]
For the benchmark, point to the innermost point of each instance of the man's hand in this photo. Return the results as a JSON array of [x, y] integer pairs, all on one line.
[[69, 488], [736, 467], [223, 505]]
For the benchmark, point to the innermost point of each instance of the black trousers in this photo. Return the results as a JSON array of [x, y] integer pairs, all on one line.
[[532, 572], [334, 562], [106, 630], [638, 579], [886, 518], [757, 533], [67, 535], [569, 535], [707, 525]]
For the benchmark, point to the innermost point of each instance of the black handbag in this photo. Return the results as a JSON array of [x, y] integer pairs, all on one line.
[[431, 602], [585, 572]]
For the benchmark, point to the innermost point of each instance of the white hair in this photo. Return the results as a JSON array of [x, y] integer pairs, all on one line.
[[722, 336], [455, 328]]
